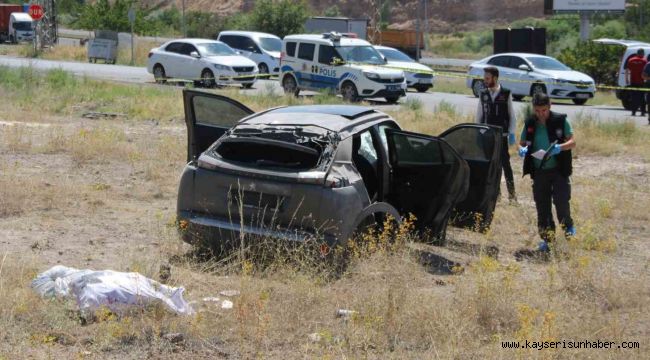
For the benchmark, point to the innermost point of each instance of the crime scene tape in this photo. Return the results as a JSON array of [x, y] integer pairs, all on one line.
[[436, 73]]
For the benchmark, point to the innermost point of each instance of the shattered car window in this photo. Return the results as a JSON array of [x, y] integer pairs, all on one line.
[[216, 113], [367, 148], [290, 148]]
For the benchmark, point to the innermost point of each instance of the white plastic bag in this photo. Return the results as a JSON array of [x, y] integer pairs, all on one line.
[[93, 289]]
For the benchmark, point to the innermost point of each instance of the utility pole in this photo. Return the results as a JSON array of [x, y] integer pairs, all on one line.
[[417, 31], [426, 25], [584, 26]]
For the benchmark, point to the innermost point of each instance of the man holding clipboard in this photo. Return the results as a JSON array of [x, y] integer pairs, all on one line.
[[545, 144]]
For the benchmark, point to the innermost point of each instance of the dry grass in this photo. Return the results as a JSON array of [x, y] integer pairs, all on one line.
[[101, 193]]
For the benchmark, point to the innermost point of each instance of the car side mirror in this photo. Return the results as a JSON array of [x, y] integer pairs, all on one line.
[[195, 54], [524, 67]]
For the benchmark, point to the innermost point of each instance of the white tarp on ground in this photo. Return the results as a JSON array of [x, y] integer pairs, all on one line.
[[113, 289]]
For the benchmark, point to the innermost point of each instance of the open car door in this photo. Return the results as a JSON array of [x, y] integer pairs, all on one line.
[[208, 116], [428, 178], [480, 146]]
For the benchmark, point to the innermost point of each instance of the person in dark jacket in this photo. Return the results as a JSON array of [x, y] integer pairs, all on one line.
[[545, 144], [495, 108]]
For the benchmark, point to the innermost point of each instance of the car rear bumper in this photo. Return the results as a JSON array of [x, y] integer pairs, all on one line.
[[199, 229]]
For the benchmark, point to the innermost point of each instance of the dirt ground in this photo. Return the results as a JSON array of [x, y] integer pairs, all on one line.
[[101, 194]]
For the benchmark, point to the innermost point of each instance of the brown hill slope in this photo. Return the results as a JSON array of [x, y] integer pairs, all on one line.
[[444, 15]]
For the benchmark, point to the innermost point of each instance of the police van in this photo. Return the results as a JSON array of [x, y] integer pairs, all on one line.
[[349, 66]]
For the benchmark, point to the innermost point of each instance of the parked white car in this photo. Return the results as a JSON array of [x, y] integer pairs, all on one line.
[[260, 47], [526, 74], [418, 76], [206, 62]]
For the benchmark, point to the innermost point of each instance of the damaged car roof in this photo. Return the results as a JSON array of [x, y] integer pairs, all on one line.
[[338, 118]]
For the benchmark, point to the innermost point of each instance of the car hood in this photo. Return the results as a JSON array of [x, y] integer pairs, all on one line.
[[230, 60], [383, 72], [409, 66], [570, 75], [275, 54]]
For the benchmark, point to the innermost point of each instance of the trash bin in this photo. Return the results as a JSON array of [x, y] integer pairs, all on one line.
[[103, 46]]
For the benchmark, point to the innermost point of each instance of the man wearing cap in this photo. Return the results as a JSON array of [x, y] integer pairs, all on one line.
[[545, 144], [495, 108]]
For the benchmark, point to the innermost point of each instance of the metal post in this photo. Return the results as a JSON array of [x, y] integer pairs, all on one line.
[[426, 25], [183, 18], [132, 41], [584, 26], [417, 32]]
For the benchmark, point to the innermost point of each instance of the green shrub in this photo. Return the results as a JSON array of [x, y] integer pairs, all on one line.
[[601, 62]]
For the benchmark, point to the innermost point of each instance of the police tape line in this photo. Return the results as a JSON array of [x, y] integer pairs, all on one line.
[[445, 74]]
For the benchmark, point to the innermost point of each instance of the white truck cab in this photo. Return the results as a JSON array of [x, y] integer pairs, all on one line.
[[21, 27], [349, 66], [631, 47]]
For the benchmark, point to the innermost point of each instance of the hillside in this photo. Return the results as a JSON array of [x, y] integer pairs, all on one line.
[[444, 15]]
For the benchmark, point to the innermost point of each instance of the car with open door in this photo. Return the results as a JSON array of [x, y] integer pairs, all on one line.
[[323, 171]]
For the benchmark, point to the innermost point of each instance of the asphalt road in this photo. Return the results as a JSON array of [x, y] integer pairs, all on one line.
[[465, 104]]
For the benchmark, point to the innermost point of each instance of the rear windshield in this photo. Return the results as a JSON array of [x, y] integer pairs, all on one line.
[[281, 150]]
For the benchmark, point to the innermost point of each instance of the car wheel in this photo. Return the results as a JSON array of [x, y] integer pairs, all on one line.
[[537, 88], [421, 88], [264, 69], [477, 87], [391, 99], [247, 86], [626, 101], [517, 97], [207, 79], [349, 92], [159, 74], [579, 101], [289, 85]]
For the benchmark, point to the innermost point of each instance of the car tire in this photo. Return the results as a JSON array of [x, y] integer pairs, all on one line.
[[290, 86], [477, 87], [159, 74], [207, 79], [349, 92], [421, 88], [247, 86], [537, 87], [391, 99], [264, 69], [579, 101], [517, 97]]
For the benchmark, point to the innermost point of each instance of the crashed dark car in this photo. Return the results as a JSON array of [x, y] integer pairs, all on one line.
[[300, 172]]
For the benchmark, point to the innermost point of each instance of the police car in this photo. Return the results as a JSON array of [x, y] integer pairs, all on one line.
[[349, 66]]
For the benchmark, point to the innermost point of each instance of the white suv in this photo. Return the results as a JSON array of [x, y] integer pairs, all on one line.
[[260, 47], [349, 66]]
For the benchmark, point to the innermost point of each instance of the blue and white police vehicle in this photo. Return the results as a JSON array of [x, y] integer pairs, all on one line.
[[345, 65]]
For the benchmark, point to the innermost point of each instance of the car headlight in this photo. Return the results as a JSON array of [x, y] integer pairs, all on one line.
[[371, 75], [561, 81], [221, 67]]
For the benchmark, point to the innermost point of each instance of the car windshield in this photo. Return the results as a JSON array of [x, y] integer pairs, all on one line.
[[547, 63], [23, 26], [360, 54], [395, 55], [271, 44], [215, 49]]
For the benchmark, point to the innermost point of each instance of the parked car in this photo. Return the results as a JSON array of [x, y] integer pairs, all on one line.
[[418, 76], [525, 74], [340, 64], [322, 171], [206, 62], [260, 47], [630, 47]]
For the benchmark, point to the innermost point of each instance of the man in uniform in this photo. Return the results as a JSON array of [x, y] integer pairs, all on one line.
[[550, 132], [495, 108], [634, 79]]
